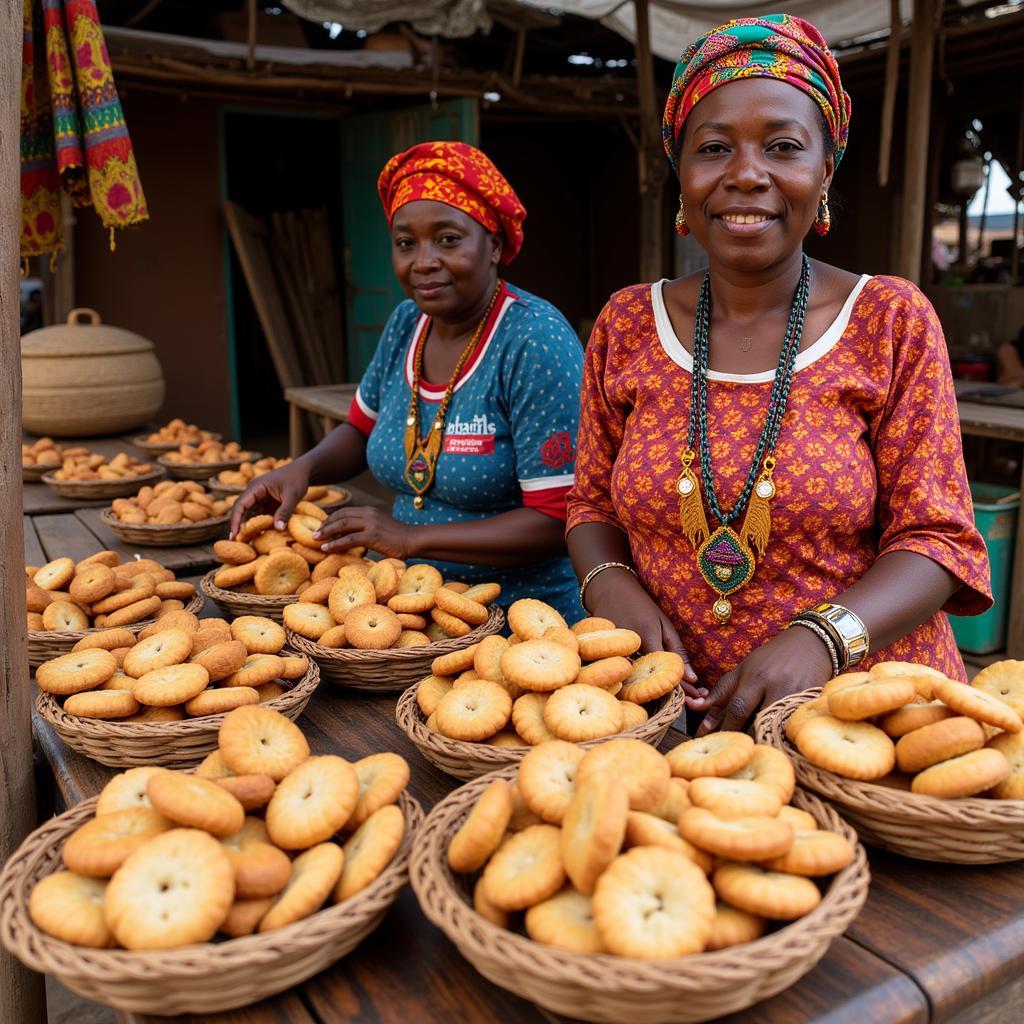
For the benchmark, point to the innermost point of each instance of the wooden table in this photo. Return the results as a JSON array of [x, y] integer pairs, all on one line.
[[329, 402], [934, 942], [978, 419]]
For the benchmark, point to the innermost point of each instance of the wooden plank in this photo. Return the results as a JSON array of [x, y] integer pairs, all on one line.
[[978, 419], [40, 500], [958, 931], [284, 1009], [34, 554], [66, 536], [332, 400]]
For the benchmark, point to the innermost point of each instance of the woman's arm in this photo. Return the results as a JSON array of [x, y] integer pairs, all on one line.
[[899, 592]]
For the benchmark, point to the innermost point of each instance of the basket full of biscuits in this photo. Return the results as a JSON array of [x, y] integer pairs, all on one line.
[[616, 883], [378, 626], [484, 707], [174, 892], [159, 698], [205, 459], [919, 764], [171, 513], [89, 475], [43, 455], [69, 601], [235, 481], [172, 435]]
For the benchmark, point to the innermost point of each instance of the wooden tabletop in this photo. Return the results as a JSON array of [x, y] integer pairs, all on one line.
[[331, 400], [932, 940]]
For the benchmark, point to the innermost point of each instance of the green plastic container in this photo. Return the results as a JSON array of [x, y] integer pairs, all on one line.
[[997, 522]]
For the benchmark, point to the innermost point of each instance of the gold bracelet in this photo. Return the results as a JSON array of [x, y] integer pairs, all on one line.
[[599, 569]]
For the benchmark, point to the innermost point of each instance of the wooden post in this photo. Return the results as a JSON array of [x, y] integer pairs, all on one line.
[[892, 81], [21, 990], [250, 53], [922, 52], [650, 160], [517, 62]]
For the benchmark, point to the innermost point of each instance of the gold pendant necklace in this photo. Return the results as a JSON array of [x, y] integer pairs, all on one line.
[[423, 452]]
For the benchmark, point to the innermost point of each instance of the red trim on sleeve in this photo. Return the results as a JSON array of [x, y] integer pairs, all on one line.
[[550, 501], [359, 419]]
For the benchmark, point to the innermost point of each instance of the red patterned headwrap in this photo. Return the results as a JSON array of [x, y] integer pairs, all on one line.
[[457, 175]]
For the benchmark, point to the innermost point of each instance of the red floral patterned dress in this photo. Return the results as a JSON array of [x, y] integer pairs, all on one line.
[[869, 461]]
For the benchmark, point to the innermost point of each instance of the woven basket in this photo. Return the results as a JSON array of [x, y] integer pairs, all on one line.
[[46, 644], [389, 671], [202, 470], [96, 490], [233, 604], [163, 535], [968, 830], [163, 744], [470, 760], [34, 474], [614, 989], [197, 979], [166, 446]]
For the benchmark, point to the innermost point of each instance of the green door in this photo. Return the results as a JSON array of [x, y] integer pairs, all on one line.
[[370, 139]]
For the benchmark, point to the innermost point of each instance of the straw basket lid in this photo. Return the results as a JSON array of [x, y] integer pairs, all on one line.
[[84, 334]]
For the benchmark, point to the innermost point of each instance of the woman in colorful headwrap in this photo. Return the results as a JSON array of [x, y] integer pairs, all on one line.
[[470, 405], [776, 441]]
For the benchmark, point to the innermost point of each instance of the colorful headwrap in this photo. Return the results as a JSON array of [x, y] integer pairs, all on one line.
[[776, 46], [458, 175]]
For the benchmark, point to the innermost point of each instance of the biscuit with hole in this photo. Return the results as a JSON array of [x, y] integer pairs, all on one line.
[[221, 659], [281, 574], [718, 753], [530, 619], [100, 846], [473, 710], [92, 583], [309, 620], [55, 575], [69, 907], [540, 665], [63, 617], [160, 650], [526, 869], [372, 627], [312, 802], [644, 771], [369, 850], [578, 712], [1005, 681], [547, 776], [352, 590], [857, 750], [195, 803], [256, 740], [977, 704], [314, 875], [593, 827], [259, 634], [745, 839], [772, 894], [966, 775], [382, 779], [607, 673], [76, 672], [483, 830], [870, 698], [771, 767], [652, 676], [419, 580], [166, 687], [528, 718], [734, 798], [257, 670], [102, 704], [126, 790]]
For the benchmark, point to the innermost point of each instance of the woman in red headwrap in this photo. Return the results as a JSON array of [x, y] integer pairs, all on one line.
[[470, 406], [773, 442]]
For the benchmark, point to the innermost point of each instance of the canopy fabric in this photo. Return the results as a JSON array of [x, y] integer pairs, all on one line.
[[451, 18]]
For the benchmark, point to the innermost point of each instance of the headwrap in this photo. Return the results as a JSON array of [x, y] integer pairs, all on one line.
[[776, 46], [458, 175]]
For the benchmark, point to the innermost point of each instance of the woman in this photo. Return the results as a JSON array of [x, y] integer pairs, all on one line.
[[775, 441], [480, 449]]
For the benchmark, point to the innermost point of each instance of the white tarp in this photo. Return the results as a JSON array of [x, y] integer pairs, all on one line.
[[452, 18]]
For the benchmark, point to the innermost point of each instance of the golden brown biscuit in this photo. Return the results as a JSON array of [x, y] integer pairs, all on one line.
[[965, 775], [473, 710], [483, 830], [1005, 681], [312, 802], [369, 850], [718, 753], [528, 718], [648, 830], [64, 616], [76, 672], [608, 643], [913, 716], [70, 908], [607, 673], [771, 894], [978, 704], [126, 790], [547, 776], [857, 750], [593, 827], [578, 712], [221, 659], [382, 778], [100, 846], [251, 791], [102, 704], [195, 803], [735, 798], [751, 838], [107, 640], [244, 917], [92, 583], [257, 670], [256, 740], [530, 619], [1011, 746], [55, 575], [816, 852], [372, 627], [652, 676], [220, 700], [807, 710], [526, 869], [565, 920], [314, 874], [429, 692], [771, 767], [872, 697], [733, 927], [259, 634], [540, 665], [168, 647], [939, 741], [643, 770], [166, 687]]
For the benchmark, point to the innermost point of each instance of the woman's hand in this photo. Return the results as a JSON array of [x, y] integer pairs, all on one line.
[[617, 595], [366, 527], [276, 492], [795, 660]]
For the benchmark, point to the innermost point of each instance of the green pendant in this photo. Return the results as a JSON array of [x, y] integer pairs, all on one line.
[[727, 564]]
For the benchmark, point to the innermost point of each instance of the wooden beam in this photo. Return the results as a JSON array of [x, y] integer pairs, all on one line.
[[250, 54], [649, 155], [21, 990], [517, 61], [915, 160], [892, 81]]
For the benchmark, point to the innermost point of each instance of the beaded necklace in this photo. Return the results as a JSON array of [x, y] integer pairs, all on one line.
[[727, 559], [422, 452]]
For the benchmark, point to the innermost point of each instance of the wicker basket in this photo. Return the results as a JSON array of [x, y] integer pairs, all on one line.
[[35, 474], [615, 989], [199, 979], [158, 447], [96, 490], [46, 644], [969, 830], [163, 535], [202, 470], [470, 760], [389, 671], [233, 604], [164, 744]]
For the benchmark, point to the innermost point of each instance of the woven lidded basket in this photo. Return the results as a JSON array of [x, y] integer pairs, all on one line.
[[96, 490], [233, 604], [202, 470], [967, 830], [46, 644], [199, 979], [165, 535], [163, 744], [158, 447], [469, 760], [393, 670], [601, 987]]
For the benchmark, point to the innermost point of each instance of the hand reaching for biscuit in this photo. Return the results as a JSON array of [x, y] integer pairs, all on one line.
[[366, 527], [276, 493], [794, 660]]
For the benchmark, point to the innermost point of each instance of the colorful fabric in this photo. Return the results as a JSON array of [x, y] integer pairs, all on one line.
[[776, 46], [510, 432], [73, 133], [869, 462], [460, 176]]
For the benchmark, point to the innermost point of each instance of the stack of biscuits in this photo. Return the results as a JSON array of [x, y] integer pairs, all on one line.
[[178, 432], [46, 453], [100, 591], [80, 464], [249, 471], [619, 849], [171, 502], [178, 667], [261, 836], [384, 605], [908, 726], [207, 452], [547, 681]]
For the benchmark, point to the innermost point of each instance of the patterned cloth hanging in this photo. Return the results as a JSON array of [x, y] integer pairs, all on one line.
[[73, 133]]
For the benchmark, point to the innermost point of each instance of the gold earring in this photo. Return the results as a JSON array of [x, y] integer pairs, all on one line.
[[823, 221], [682, 228]]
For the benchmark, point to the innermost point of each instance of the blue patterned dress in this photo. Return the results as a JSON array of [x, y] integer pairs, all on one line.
[[510, 432]]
